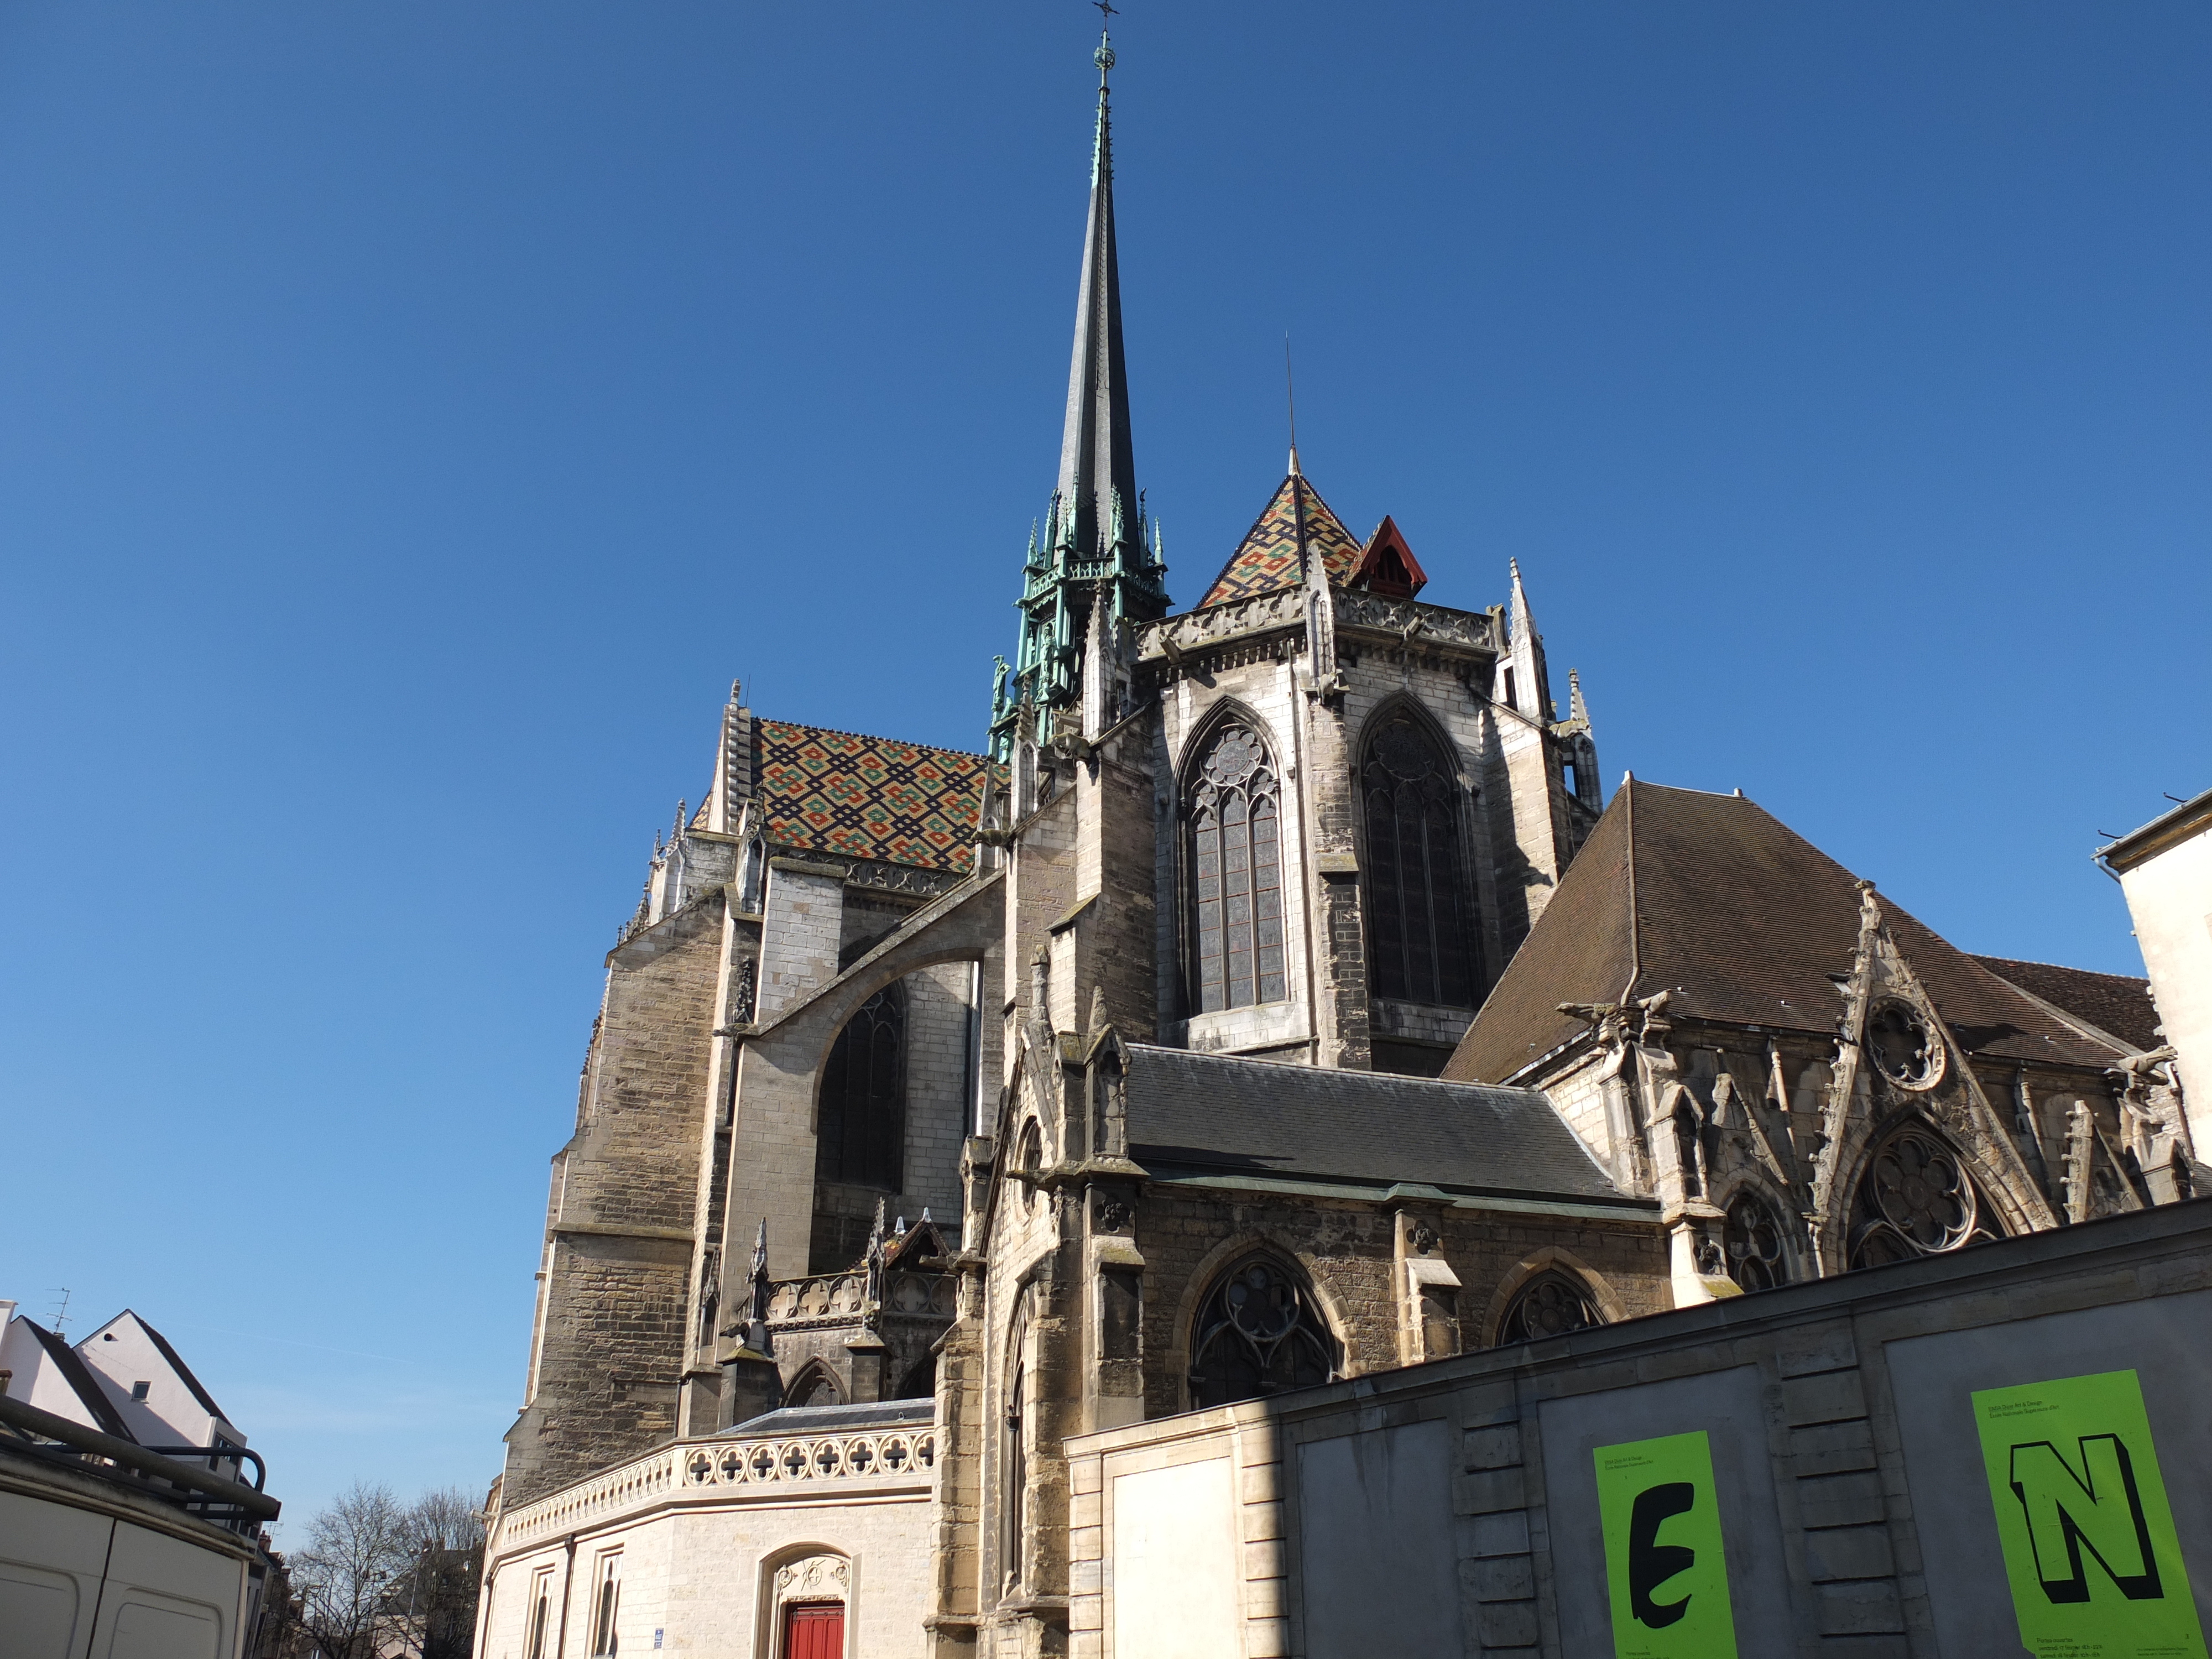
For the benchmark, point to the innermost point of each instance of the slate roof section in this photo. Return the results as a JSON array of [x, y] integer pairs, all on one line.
[[1208, 1114], [1747, 922], [836, 1419], [1267, 558], [841, 792], [2116, 1004]]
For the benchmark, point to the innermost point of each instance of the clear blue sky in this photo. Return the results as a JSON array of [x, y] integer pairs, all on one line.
[[412, 415]]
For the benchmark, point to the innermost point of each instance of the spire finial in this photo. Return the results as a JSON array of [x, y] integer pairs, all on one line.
[[1291, 398]]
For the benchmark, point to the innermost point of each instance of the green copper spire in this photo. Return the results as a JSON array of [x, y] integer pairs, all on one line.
[[1094, 544]]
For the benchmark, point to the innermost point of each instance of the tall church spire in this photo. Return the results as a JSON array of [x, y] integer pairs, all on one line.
[[1095, 549], [1097, 468]]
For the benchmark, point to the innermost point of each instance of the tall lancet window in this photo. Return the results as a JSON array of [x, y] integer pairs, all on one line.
[[1417, 893], [862, 1137], [1235, 817]]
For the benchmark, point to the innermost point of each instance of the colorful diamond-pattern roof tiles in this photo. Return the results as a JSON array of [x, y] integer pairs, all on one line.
[[1267, 557], [867, 797]]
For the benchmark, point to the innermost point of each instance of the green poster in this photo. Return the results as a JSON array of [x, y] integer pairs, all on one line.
[[2090, 1550], [1664, 1571]]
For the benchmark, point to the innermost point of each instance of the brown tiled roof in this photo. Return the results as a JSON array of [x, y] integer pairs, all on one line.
[[1745, 921], [869, 797], [1267, 557], [2118, 1004]]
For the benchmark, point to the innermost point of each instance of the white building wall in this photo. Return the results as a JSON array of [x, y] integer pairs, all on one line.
[[2170, 896], [121, 1354], [700, 1579]]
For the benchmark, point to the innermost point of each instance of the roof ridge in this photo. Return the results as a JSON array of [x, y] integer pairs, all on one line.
[[2059, 967], [1392, 1077], [871, 737]]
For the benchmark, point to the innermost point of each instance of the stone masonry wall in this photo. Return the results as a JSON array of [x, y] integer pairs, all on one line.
[[1850, 1486], [1188, 1234], [611, 1355]]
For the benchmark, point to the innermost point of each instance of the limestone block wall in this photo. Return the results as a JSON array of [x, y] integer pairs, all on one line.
[[1848, 1480], [1188, 1234], [612, 1320]]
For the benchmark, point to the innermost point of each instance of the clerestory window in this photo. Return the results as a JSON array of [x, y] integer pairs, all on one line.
[[862, 1136], [1418, 905], [1234, 819]]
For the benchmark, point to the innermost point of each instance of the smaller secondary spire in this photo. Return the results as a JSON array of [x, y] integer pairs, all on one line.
[[1290, 397]]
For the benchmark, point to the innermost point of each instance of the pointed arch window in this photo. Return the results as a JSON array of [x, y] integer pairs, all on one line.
[[1750, 1243], [1917, 1199], [1418, 898], [1235, 827], [1259, 1333], [1550, 1304], [862, 1135]]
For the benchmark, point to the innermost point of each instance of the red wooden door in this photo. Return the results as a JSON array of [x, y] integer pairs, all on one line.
[[814, 1633]]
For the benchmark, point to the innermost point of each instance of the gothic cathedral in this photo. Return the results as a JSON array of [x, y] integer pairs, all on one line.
[[943, 1106]]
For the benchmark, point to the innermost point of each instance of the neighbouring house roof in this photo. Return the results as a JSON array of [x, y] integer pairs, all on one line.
[[82, 1383], [2191, 817], [2117, 1004], [869, 798], [1192, 1113], [1713, 899], [1267, 558]]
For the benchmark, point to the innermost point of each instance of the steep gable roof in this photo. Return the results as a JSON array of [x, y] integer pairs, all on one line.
[[177, 1363], [1267, 558], [81, 1382], [2118, 1005], [869, 798], [1713, 899], [1208, 1114]]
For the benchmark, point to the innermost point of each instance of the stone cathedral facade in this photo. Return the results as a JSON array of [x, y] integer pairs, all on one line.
[[944, 1106]]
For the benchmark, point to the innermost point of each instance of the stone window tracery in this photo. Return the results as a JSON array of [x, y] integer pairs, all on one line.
[[1916, 1199], [1750, 1243], [1235, 833], [1551, 1303], [1899, 1042], [1259, 1333], [862, 1136], [1417, 895]]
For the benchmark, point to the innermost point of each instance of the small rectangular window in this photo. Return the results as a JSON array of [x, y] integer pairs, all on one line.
[[140, 1390]]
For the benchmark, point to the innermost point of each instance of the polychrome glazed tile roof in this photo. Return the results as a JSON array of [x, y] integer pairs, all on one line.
[[1267, 557], [867, 797]]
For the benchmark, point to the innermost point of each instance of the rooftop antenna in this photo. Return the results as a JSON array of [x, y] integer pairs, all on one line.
[[61, 1313], [1291, 396]]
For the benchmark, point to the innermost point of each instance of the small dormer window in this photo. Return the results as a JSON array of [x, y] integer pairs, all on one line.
[[140, 1390]]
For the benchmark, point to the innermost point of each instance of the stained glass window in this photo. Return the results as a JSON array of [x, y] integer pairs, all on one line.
[[1237, 881], [1550, 1304], [1418, 902], [862, 1137], [1916, 1199], [1258, 1331]]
